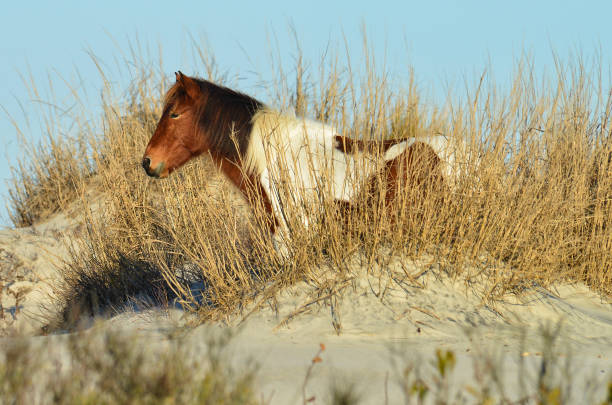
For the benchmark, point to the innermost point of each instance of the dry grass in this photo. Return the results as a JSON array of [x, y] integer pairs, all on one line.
[[531, 202]]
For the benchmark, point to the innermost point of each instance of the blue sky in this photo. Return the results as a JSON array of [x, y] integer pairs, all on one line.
[[444, 41]]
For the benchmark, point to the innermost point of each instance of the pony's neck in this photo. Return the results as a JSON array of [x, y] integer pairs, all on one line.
[[231, 166], [250, 186], [233, 171]]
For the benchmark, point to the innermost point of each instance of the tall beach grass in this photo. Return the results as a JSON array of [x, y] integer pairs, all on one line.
[[530, 203]]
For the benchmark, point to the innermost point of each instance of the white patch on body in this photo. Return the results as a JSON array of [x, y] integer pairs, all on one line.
[[447, 152], [299, 165], [397, 149]]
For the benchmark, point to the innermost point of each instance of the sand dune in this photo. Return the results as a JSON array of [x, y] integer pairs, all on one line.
[[371, 327]]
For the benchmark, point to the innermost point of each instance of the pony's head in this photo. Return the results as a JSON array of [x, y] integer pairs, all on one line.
[[177, 137]]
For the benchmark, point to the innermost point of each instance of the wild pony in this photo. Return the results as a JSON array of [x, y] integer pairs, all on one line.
[[262, 151]]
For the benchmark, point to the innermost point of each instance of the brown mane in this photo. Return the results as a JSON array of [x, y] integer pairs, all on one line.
[[224, 115]]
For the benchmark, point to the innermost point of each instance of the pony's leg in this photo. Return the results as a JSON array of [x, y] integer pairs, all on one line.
[[281, 245], [280, 236]]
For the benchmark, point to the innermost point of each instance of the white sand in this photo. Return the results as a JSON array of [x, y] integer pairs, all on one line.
[[405, 324], [415, 321], [29, 261]]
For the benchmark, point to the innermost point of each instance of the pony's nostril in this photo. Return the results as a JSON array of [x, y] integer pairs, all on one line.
[[146, 163]]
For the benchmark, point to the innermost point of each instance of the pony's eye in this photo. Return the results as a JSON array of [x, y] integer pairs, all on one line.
[[174, 115]]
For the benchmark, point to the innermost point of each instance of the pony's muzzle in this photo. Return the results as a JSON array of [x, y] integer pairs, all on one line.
[[146, 163], [156, 172]]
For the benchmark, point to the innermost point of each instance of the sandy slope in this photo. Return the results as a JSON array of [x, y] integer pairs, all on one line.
[[383, 324], [409, 323], [29, 259]]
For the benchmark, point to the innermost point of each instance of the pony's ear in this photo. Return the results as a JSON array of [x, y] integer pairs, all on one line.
[[191, 87]]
